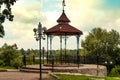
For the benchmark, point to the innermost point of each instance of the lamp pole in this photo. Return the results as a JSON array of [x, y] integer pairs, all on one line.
[[40, 34], [97, 59]]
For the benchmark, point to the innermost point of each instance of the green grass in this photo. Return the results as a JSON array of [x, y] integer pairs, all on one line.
[[72, 77], [6, 67], [82, 77], [50, 79]]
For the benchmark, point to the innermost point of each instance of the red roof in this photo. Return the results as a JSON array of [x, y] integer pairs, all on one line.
[[63, 29], [63, 18]]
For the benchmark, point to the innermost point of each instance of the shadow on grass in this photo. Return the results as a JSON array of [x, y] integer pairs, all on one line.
[[81, 77]]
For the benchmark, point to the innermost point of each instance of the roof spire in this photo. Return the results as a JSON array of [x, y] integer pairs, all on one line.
[[63, 18], [63, 4]]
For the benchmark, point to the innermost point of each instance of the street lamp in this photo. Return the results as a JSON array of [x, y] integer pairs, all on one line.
[[97, 56], [108, 64], [98, 50], [40, 34]]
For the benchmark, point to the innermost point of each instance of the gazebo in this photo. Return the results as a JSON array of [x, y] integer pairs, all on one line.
[[63, 28]]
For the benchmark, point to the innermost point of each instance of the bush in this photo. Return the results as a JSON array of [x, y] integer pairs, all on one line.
[[115, 71], [17, 63], [10, 56], [2, 63]]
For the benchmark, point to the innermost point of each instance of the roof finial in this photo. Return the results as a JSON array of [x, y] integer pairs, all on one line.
[[63, 4]]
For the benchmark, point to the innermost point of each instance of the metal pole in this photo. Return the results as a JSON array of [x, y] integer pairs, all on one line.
[[78, 57], [33, 59], [24, 60], [40, 34], [40, 57], [65, 49], [97, 61], [61, 49], [52, 63], [50, 46], [51, 55], [84, 56], [43, 54], [47, 48], [97, 65]]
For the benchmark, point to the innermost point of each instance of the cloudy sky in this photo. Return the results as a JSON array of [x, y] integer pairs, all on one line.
[[84, 15]]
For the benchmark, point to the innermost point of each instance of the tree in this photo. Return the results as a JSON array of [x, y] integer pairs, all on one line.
[[10, 56], [102, 43], [5, 13]]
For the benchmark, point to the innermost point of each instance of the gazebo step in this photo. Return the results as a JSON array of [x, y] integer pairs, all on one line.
[[33, 71], [30, 68]]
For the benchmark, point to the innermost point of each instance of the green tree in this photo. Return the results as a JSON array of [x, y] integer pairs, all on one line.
[[5, 13], [9, 56], [103, 43]]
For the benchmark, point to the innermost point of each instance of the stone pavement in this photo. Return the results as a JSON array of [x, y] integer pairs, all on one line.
[[21, 76], [83, 69], [90, 69]]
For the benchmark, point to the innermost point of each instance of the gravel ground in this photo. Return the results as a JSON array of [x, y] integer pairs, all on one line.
[[21, 76]]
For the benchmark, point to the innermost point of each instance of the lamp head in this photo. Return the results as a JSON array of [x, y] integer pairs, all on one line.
[[39, 25], [37, 39], [43, 38], [44, 30], [35, 30]]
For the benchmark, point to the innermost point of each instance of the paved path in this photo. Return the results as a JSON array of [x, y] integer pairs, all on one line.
[[21, 76], [16, 75], [90, 69], [82, 66]]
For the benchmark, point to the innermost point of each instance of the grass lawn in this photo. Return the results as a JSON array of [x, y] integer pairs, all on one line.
[[81, 77], [49, 79], [5, 68]]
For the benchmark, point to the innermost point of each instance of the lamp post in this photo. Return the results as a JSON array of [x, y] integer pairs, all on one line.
[[39, 34], [108, 64], [98, 50], [97, 59]]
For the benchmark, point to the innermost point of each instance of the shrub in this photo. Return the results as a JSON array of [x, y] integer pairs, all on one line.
[[2, 63], [10, 56], [17, 63], [115, 71]]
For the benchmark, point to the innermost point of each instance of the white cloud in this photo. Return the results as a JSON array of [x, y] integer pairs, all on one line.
[[20, 31], [118, 22], [84, 15], [51, 18]]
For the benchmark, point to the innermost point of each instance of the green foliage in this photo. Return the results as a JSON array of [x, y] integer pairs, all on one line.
[[9, 56], [5, 13], [17, 63], [82, 77], [115, 72], [103, 43], [2, 62], [30, 55]]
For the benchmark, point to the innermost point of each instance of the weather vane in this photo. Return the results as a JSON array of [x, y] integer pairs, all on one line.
[[63, 4]]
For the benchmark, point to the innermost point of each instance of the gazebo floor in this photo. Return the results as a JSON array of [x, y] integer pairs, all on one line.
[[89, 69], [63, 65]]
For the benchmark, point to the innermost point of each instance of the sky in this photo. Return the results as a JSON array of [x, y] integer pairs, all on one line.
[[84, 15]]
